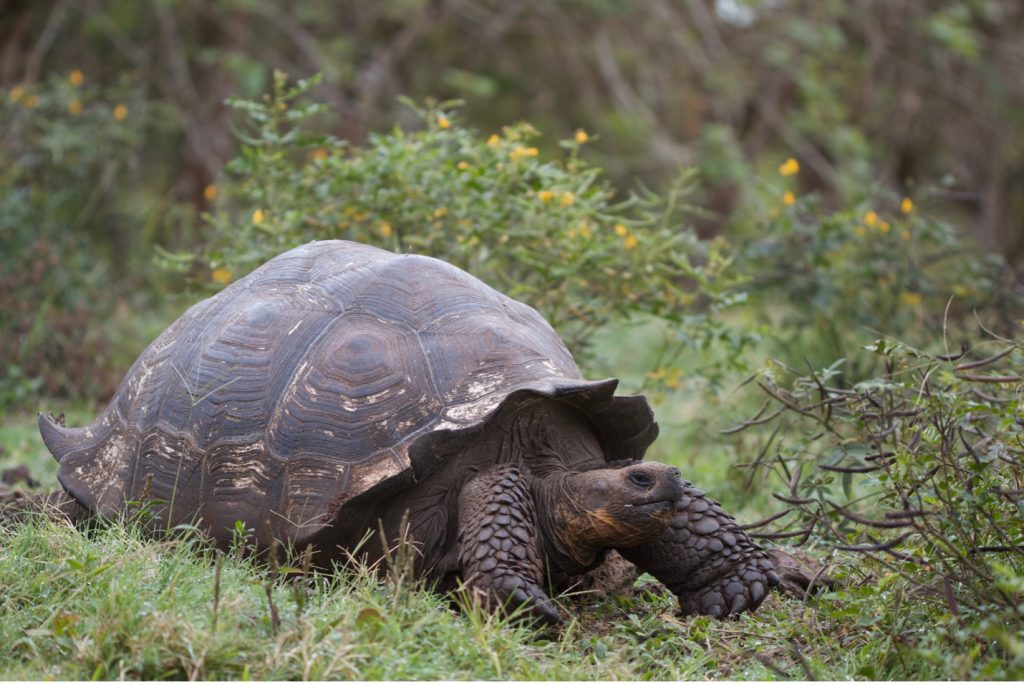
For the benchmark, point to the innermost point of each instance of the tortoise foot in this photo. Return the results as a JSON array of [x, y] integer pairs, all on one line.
[[740, 590], [498, 544], [707, 560]]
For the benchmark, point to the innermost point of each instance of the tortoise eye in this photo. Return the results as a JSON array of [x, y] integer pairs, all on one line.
[[641, 479]]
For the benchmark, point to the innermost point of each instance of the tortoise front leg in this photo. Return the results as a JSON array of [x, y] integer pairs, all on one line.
[[498, 547], [706, 560]]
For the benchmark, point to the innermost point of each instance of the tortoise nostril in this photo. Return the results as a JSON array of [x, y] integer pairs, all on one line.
[[641, 479]]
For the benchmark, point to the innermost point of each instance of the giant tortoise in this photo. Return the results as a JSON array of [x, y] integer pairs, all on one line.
[[340, 389]]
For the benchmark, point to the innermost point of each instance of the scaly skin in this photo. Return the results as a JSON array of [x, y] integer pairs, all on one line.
[[706, 560], [498, 543]]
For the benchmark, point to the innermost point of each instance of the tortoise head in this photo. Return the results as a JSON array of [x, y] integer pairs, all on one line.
[[614, 507]]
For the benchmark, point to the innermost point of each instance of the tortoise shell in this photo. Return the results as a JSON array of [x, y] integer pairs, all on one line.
[[334, 370]]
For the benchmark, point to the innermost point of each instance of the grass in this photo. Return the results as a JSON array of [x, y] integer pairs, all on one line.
[[110, 603]]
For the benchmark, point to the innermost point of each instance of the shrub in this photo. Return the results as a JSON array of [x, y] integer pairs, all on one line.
[[921, 471], [66, 150], [552, 233], [824, 279]]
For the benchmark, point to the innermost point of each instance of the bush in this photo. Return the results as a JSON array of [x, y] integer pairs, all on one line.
[[66, 150], [825, 280], [920, 470], [552, 233]]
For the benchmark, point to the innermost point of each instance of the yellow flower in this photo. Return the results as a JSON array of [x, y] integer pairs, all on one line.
[[221, 275], [76, 77], [581, 136], [16, 93], [790, 167], [585, 230], [871, 219], [257, 217], [568, 198], [463, 165], [672, 379], [907, 206], [75, 107], [545, 196], [210, 192], [31, 101], [384, 229], [905, 235], [440, 212], [620, 230], [519, 152], [630, 241], [443, 122], [319, 153], [788, 198], [911, 298], [884, 227], [494, 140], [120, 112]]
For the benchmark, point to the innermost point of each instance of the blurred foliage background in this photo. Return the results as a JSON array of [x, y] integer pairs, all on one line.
[[797, 225], [116, 129]]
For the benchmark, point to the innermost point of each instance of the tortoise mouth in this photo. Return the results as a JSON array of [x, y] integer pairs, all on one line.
[[659, 507]]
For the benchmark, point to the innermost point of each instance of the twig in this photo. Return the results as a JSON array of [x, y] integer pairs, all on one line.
[[782, 536], [880, 547], [984, 362], [868, 522], [767, 520]]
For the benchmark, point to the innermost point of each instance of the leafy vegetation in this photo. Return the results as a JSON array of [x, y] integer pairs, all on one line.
[[824, 309]]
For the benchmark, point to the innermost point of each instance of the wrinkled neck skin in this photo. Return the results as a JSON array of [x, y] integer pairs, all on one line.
[[567, 539]]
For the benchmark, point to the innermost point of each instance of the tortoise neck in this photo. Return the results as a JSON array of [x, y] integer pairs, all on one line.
[[560, 514]]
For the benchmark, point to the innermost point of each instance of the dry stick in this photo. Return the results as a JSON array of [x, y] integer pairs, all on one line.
[[268, 588], [765, 521], [908, 513], [770, 665], [865, 521], [984, 362], [783, 536], [990, 398], [991, 379], [806, 667], [880, 547], [880, 455], [216, 587], [755, 420], [791, 405], [793, 500], [953, 357], [855, 469], [954, 606], [760, 457]]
